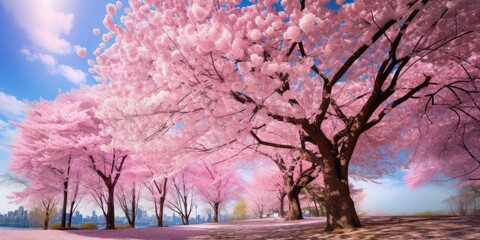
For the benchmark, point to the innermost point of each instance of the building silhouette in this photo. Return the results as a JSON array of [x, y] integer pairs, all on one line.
[[17, 218]]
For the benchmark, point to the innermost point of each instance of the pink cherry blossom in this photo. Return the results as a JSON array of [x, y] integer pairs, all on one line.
[[306, 22], [293, 33], [96, 31], [82, 52], [111, 9]]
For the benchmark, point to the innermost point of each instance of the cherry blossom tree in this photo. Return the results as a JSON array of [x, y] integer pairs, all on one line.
[[158, 191], [449, 147], [77, 194], [295, 175], [47, 139], [260, 202], [100, 153], [270, 179], [128, 198], [216, 183], [348, 78], [99, 193], [180, 197], [295, 172], [109, 171], [62, 138], [294, 184]]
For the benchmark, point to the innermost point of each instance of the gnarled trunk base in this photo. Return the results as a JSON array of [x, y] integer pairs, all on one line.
[[340, 208], [294, 210]]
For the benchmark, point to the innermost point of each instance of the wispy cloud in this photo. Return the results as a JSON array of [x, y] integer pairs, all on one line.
[[46, 27], [73, 75], [10, 106]]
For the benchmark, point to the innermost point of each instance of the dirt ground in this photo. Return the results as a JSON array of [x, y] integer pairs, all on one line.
[[388, 227], [407, 227]]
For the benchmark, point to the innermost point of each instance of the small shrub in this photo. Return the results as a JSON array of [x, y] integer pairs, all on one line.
[[122, 226], [56, 226], [88, 225]]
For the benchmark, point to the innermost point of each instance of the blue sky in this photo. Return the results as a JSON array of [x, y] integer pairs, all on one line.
[[38, 56]]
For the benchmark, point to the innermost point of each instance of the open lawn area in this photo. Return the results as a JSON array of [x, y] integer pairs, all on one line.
[[388, 227]]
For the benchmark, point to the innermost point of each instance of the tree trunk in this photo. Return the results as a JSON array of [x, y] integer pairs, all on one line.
[[317, 213], [340, 208], [216, 207], [281, 211], [72, 205], [110, 219], [160, 212], [134, 207], [322, 209], [294, 210], [47, 220], [184, 220], [186, 214], [64, 205], [69, 221]]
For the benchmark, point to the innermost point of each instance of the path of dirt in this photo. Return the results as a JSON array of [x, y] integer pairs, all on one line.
[[399, 227]]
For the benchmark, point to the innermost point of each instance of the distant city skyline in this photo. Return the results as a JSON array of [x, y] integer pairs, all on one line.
[[19, 218]]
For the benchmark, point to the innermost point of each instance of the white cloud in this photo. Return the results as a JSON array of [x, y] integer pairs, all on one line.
[[43, 24], [10, 106], [73, 75], [46, 27]]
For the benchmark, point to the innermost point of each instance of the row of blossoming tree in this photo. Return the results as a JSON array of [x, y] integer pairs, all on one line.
[[61, 154], [335, 90]]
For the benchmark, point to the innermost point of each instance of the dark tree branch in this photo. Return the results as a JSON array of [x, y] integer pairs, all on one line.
[[397, 102], [270, 144]]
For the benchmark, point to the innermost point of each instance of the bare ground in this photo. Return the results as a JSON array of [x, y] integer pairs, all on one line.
[[388, 227]]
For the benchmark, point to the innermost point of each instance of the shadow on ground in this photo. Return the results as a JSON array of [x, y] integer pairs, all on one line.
[[406, 227], [265, 229], [399, 227]]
